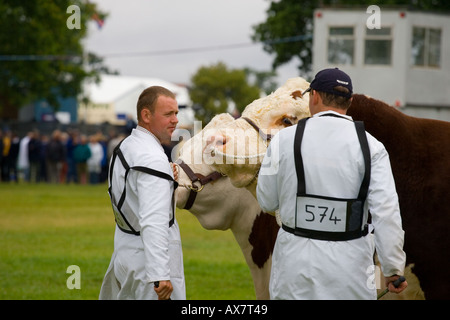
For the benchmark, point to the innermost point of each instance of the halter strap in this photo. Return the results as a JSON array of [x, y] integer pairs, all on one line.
[[196, 177], [265, 136]]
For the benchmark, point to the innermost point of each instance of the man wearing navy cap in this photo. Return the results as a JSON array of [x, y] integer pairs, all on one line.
[[328, 174]]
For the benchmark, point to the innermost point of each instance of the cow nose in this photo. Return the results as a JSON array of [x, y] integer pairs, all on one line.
[[220, 141], [217, 141], [214, 143]]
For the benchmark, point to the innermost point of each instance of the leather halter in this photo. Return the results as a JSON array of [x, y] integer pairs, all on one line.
[[266, 137], [196, 177]]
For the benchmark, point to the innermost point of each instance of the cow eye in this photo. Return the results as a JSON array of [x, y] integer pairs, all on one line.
[[287, 121]]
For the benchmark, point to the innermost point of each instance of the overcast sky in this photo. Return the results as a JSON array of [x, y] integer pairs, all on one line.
[[136, 27]]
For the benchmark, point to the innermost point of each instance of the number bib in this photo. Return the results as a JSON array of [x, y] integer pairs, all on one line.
[[327, 218], [330, 219], [321, 214]]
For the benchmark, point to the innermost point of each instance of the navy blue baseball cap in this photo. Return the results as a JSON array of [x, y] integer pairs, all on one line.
[[327, 79]]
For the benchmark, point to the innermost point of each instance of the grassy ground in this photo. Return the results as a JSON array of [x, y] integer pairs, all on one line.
[[46, 228]]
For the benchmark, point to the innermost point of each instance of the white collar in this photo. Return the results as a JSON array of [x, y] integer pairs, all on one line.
[[332, 112], [142, 129]]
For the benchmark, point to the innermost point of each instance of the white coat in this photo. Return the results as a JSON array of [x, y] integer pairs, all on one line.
[[304, 268], [156, 254], [94, 163]]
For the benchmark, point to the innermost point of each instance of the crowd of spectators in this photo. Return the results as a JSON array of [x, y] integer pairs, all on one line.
[[62, 157]]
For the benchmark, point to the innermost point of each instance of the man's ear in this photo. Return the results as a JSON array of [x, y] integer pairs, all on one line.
[[146, 115], [315, 96]]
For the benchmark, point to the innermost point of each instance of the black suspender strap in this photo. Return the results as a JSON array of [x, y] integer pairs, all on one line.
[[111, 166], [353, 211], [362, 137], [299, 167], [161, 175], [156, 173], [118, 153]]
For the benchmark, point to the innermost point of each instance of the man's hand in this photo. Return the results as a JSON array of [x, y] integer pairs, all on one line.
[[175, 171], [163, 289], [392, 288]]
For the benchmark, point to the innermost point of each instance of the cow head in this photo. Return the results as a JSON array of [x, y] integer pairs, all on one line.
[[212, 193], [237, 149]]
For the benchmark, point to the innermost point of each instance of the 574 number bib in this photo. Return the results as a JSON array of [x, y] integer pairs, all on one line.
[[321, 215]]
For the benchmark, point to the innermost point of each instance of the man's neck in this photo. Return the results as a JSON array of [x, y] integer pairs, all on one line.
[[144, 129], [327, 108]]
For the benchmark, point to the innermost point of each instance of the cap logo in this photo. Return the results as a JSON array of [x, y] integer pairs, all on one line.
[[342, 82]]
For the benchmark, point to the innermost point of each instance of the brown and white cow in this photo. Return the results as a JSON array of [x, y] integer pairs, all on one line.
[[419, 150], [218, 205]]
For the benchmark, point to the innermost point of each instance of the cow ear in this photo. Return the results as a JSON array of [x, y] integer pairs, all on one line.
[[296, 94]]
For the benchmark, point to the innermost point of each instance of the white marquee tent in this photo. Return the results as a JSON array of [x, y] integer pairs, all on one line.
[[114, 100]]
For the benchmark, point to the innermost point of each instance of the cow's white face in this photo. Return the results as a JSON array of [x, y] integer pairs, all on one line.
[[214, 192], [237, 150], [191, 154]]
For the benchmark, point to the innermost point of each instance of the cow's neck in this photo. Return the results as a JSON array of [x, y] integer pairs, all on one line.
[[397, 133], [389, 126], [243, 227], [252, 187]]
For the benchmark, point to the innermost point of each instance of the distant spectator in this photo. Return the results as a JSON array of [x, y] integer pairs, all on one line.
[[13, 156], [64, 166], [94, 163], [1, 155], [81, 153], [23, 162], [130, 124], [113, 142], [34, 156], [5, 153], [43, 155], [55, 157], [71, 165], [104, 163]]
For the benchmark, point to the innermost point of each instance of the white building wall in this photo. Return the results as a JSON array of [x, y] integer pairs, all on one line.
[[415, 89], [430, 86], [386, 82]]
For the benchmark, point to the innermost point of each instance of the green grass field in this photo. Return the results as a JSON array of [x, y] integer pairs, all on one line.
[[44, 229]]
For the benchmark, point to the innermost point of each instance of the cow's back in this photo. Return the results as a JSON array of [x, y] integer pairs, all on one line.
[[419, 150]]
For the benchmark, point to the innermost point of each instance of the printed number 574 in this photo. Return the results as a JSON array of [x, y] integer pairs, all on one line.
[[321, 213]]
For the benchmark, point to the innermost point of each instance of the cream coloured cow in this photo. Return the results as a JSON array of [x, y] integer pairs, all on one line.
[[218, 205]]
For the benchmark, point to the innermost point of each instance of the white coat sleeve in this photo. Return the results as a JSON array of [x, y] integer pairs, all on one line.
[[386, 219], [155, 197], [267, 186]]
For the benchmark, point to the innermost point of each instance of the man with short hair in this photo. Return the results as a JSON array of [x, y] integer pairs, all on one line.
[[147, 262], [324, 175]]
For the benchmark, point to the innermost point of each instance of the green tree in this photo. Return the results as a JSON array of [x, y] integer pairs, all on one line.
[[41, 58], [287, 31], [215, 87], [263, 79]]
